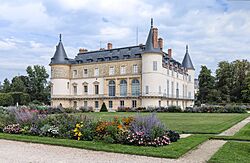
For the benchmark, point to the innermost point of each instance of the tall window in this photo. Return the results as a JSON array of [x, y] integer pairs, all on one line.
[[189, 78], [75, 89], [135, 87], [172, 90], [74, 73], [134, 103], [85, 89], [183, 90], [85, 72], [111, 70], [123, 70], [147, 89], [96, 89], [177, 90], [154, 65], [75, 104], [67, 85], [159, 89], [96, 104], [189, 94], [85, 103], [135, 69], [167, 87], [111, 88], [123, 88], [168, 71], [96, 73], [122, 103], [110, 104]]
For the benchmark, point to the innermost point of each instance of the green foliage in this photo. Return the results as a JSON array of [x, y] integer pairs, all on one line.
[[18, 85], [38, 83], [6, 86], [216, 109], [6, 99], [20, 98], [104, 108]]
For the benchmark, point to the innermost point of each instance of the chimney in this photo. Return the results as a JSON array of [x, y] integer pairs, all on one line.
[[82, 50], [109, 46], [170, 53], [155, 37], [160, 41]]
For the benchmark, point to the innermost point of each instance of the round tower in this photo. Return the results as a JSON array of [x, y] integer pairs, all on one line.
[[152, 76], [60, 77]]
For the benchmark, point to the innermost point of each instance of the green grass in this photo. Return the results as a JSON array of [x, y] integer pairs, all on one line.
[[208, 123], [243, 134], [232, 152], [173, 150]]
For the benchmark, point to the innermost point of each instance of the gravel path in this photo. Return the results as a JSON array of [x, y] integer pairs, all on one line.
[[231, 131]]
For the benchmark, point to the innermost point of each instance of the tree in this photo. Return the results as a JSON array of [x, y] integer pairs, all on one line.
[[18, 85], [224, 81], [37, 77], [246, 89], [6, 86], [207, 92]]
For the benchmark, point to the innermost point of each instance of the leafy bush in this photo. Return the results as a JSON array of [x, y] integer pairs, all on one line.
[[174, 109], [123, 109], [20, 98], [51, 131], [173, 136], [86, 109], [104, 108], [6, 99], [216, 109]]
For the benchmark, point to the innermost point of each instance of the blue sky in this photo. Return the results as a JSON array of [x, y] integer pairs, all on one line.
[[215, 30]]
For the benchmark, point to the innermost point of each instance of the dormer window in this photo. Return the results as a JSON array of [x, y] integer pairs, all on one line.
[[74, 73]]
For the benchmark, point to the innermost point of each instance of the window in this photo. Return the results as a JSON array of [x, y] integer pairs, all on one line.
[[122, 103], [85, 72], [159, 89], [123, 88], [177, 90], [135, 69], [168, 71], [177, 74], [189, 94], [172, 72], [75, 89], [147, 89], [111, 88], [85, 89], [111, 71], [159, 103], [189, 78], [183, 90], [74, 73], [172, 91], [110, 104], [135, 87], [96, 89], [167, 87], [96, 73], [51, 88], [134, 103], [154, 65], [167, 103], [75, 104], [96, 104], [85, 103], [68, 85], [123, 70]]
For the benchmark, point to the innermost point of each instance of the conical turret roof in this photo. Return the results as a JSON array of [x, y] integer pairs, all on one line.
[[60, 56], [149, 43], [187, 62]]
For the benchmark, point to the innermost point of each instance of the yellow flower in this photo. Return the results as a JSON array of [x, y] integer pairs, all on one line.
[[78, 138], [77, 125]]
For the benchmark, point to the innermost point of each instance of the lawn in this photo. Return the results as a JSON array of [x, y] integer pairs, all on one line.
[[209, 123], [243, 134], [232, 152], [173, 150]]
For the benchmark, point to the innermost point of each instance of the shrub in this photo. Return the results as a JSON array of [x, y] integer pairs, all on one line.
[[6, 99], [216, 109], [12, 129], [86, 109], [173, 136], [104, 108], [48, 130], [123, 109], [174, 109], [20, 98]]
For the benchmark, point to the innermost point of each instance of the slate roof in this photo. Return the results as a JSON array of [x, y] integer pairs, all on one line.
[[60, 56], [187, 62], [109, 55]]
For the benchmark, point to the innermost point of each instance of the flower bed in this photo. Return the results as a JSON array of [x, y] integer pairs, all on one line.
[[138, 130]]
